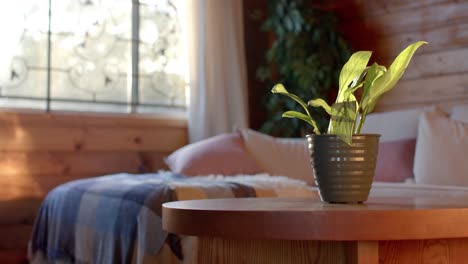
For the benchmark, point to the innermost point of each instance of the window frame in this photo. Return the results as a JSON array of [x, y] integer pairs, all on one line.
[[132, 103]]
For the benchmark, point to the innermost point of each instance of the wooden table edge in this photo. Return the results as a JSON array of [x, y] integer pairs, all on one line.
[[334, 225]]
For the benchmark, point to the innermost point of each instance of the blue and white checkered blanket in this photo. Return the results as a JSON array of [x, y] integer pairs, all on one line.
[[117, 218]]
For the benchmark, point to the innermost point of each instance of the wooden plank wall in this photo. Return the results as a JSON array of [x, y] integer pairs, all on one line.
[[439, 71], [39, 151]]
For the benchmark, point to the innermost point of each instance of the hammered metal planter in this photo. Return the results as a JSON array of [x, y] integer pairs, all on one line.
[[343, 173]]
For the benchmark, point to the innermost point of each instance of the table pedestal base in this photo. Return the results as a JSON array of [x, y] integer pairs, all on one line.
[[211, 250]]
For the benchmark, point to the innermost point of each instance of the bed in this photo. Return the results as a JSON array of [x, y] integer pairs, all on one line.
[[117, 218]]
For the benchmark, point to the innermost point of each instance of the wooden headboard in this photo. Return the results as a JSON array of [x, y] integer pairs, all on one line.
[[438, 73], [41, 150]]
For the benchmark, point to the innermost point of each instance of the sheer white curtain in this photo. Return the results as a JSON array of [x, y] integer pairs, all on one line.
[[218, 92], [11, 19]]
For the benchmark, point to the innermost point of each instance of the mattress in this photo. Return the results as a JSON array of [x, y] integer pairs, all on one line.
[[413, 190]]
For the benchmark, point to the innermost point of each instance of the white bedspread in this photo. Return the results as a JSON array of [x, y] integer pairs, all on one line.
[[384, 189]]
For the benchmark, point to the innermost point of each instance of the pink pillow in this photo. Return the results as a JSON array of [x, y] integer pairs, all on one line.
[[280, 156], [223, 154], [395, 160]]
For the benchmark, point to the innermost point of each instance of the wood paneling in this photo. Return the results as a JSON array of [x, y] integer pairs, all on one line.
[[69, 119], [382, 7], [20, 211], [438, 72], [60, 138], [436, 64], [440, 38], [414, 19], [13, 163], [39, 151], [428, 90], [445, 105], [13, 236], [14, 256], [28, 187]]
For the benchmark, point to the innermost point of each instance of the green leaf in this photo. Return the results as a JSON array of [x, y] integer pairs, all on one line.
[[388, 80], [356, 64], [320, 103], [373, 73], [280, 89], [288, 23], [343, 120], [306, 118], [357, 83], [280, 10], [371, 106]]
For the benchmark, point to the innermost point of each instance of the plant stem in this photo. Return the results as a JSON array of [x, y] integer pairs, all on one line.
[[358, 107], [361, 122]]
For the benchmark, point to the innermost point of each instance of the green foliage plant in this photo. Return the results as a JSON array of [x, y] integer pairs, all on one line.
[[348, 114], [306, 54]]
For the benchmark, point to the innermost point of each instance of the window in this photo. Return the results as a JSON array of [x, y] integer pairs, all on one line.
[[96, 55]]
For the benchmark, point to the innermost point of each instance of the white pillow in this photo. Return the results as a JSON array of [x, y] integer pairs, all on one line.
[[280, 156], [460, 113], [395, 125], [441, 155]]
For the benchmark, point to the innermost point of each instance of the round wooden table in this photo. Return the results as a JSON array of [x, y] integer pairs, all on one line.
[[295, 230]]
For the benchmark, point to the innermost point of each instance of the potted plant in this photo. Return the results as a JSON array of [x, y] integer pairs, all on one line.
[[343, 159]]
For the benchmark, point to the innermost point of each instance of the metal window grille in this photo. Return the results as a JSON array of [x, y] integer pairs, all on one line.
[[95, 55]]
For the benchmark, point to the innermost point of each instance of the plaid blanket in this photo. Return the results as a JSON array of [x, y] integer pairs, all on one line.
[[117, 218]]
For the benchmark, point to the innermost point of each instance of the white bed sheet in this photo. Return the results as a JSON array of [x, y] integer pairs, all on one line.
[[388, 189]]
